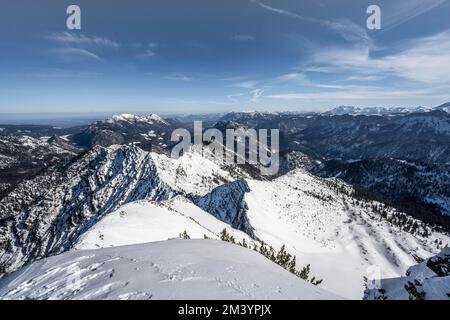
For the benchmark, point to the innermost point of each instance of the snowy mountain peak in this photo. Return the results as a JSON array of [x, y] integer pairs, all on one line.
[[126, 117], [444, 107], [351, 110]]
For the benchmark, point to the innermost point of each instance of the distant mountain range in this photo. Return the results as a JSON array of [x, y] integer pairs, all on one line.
[[374, 111]]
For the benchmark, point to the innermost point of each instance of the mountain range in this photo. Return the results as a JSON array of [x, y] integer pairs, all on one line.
[[353, 191]]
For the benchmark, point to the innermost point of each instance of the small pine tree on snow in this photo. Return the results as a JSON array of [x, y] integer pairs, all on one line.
[[243, 243], [272, 255], [224, 236], [304, 273], [184, 235], [316, 282], [283, 257], [292, 265]]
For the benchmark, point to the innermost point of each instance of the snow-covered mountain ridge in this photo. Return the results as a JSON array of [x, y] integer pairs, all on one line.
[[150, 119], [175, 269], [148, 221], [46, 215], [317, 219], [372, 111]]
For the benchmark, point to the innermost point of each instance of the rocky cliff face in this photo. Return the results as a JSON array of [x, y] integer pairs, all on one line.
[[227, 204]]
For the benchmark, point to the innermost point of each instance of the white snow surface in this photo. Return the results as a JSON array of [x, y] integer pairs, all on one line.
[[323, 228], [174, 269], [430, 278], [148, 221], [320, 226]]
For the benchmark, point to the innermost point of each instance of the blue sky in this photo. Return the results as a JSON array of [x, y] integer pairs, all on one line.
[[190, 56]]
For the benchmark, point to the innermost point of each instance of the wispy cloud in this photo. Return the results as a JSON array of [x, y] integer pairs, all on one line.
[[396, 13], [365, 78], [150, 50], [243, 37], [146, 54], [72, 39], [244, 85], [353, 95], [234, 78], [300, 79], [177, 76], [233, 97], [60, 74], [425, 60], [74, 46], [303, 80], [345, 28], [255, 90], [71, 54], [256, 94]]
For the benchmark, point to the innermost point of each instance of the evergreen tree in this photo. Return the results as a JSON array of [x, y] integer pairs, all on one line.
[[184, 235], [304, 273], [292, 265]]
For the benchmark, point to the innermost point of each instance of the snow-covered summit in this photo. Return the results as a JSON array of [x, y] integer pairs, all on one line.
[[175, 269], [126, 117], [444, 107]]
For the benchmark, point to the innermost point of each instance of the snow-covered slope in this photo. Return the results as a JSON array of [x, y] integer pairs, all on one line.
[[175, 269], [428, 280], [322, 225], [196, 172], [319, 220], [146, 221]]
